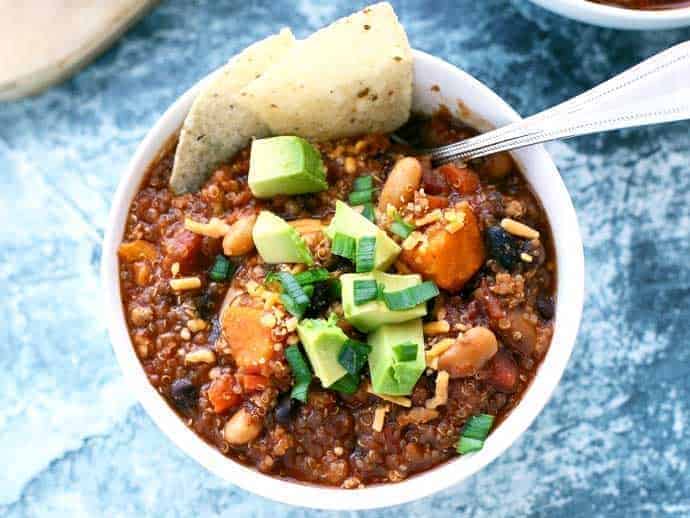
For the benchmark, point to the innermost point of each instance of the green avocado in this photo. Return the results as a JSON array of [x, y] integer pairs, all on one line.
[[278, 242], [322, 341], [389, 375], [372, 315], [351, 223], [285, 165]]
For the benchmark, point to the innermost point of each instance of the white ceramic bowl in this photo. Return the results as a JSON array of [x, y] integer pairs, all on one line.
[[618, 17], [474, 103]]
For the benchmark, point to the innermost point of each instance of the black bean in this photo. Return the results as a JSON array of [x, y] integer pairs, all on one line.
[[503, 247], [285, 409], [205, 305], [545, 306], [320, 300], [184, 394], [340, 263]]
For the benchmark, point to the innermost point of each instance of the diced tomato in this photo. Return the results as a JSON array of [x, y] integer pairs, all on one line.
[[184, 249], [252, 382], [521, 335], [437, 202], [464, 180], [221, 393], [504, 372], [433, 182]]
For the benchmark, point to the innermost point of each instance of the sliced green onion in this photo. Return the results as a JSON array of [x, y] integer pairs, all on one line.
[[300, 392], [353, 356], [360, 197], [366, 251], [401, 227], [308, 290], [474, 433], [410, 297], [344, 246], [292, 307], [364, 291], [405, 352], [363, 183], [478, 426], [293, 289], [468, 445], [348, 384], [312, 276], [222, 269], [301, 372], [368, 211]]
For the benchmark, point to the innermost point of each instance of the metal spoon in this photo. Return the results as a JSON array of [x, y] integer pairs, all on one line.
[[657, 90]]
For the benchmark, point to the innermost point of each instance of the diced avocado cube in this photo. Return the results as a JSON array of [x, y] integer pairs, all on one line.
[[322, 342], [285, 165], [351, 223], [372, 315], [278, 242], [390, 376]]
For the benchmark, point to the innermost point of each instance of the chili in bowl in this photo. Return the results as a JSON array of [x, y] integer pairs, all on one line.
[[379, 333]]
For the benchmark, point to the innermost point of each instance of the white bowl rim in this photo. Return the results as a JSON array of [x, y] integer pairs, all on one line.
[[570, 294], [618, 17]]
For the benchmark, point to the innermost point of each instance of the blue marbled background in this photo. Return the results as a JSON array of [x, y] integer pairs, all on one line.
[[613, 441]]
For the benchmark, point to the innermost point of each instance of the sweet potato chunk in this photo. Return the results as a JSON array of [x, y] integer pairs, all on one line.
[[464, 180], [249, 341], [137, 250], [448, 258]]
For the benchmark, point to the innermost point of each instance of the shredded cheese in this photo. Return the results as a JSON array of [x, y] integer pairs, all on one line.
[[185, 283], [431, 217], [526, 257], [438, 349], [519, 229], [453, 227], [202, 355], [214, 228], [412, 240], [379, 417], [398, 400], [441, 394], [438, 327]]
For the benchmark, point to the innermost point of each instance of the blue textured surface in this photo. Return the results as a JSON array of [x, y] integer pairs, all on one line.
[[613, 441]]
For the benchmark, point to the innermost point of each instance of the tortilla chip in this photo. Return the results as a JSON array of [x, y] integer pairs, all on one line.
[[218, 126], [350, 78]]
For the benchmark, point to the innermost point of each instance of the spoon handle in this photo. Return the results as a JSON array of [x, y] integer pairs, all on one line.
[[655, 91]]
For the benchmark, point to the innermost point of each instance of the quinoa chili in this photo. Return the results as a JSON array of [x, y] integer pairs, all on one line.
[[211, 328]]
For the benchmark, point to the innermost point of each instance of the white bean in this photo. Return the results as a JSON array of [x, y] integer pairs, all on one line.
[[241, 428], [239, 240], [469, 353], [403, 180]]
